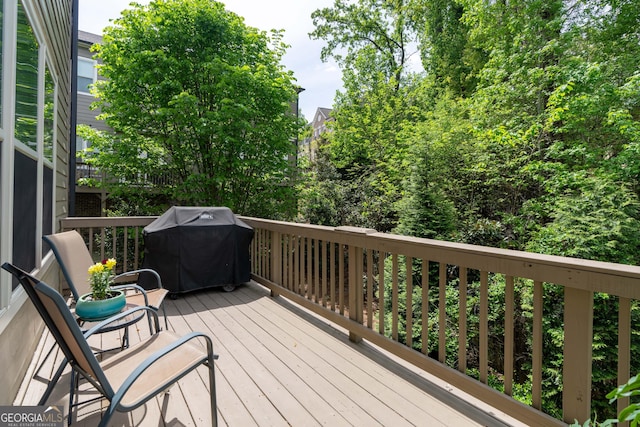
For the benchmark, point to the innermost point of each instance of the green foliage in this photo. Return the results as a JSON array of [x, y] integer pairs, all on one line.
[[523, 132], [371, 41], [377, 30], [598, 220], [631, 389], [321, 194], [447, 55], [196, 97]]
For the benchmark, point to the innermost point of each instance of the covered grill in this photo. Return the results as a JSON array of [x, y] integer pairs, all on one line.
[[198, 247]]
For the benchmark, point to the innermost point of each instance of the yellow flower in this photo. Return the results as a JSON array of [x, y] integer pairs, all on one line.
[[100, 277], [96, 268]]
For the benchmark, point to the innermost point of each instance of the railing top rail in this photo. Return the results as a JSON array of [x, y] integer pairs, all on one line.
[[96, 222], [615, 279]]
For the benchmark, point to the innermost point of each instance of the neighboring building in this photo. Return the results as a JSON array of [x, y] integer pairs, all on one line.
[[319, 123], [318, 130], [90, 201], [87, 76], [34, 157]]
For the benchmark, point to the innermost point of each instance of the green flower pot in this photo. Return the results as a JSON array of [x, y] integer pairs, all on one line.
[[89, 309]]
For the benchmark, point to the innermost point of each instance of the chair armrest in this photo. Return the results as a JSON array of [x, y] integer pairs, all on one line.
[[128, 382], [119, 316], [137, 272], [132, 286]]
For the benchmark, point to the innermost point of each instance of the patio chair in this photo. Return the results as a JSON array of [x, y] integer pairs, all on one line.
[[74, 259], [131, 377]]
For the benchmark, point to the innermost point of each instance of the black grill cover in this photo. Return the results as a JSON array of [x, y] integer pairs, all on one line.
[[197, 247]]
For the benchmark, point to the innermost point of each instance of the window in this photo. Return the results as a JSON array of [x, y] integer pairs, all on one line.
[[26, 115], [24, 211], [81, 145], [86, 74], [49, 114], [28, 184]]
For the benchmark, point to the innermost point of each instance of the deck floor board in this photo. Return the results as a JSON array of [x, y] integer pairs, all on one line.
[[279, 365]]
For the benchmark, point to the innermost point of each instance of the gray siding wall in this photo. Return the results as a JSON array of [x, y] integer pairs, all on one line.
[[86, 115]]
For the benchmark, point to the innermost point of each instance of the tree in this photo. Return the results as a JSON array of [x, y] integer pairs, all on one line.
[[378, 28], [449, 58], [195, 95], [371, 40]]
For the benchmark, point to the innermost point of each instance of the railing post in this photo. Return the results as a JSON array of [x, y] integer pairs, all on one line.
[[356, 274], [578, 341], [356, 294], [276, 260]]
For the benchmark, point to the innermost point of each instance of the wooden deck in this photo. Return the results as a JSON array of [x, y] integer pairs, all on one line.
[[279, 365]]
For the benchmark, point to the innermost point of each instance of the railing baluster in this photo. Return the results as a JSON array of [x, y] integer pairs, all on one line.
[[332, 275], [318, 278], [290, 250], [536, 363], [136, 255], [276, 258], [91, 241], [254, 257], [484, 325], [341, 278], [381, 282], [102, 242], [268, 239], [261, 253], [369, 268], [394, 297], [266, 252], [294, 265], [508, 334], [125, 248], [442, 312], [300, 280], [270, 244], [409, 302], [321, 270], [462, 322], [425, 306], [114, 241], [300, 267], [313, 296]]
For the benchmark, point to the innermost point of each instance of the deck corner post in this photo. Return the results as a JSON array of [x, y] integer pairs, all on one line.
[[356, 292], [578, 342]]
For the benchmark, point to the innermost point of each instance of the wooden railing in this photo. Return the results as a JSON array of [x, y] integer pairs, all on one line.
[[351, 276], [88, 171], [119, 238]]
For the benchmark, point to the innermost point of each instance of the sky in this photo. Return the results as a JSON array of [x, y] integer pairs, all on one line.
[[319, 80]]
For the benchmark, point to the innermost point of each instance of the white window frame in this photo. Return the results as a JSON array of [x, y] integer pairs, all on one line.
[[95, 73], [10, 144]]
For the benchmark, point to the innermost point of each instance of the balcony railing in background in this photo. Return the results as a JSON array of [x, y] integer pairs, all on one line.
[[89, 172], [341, 273]]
